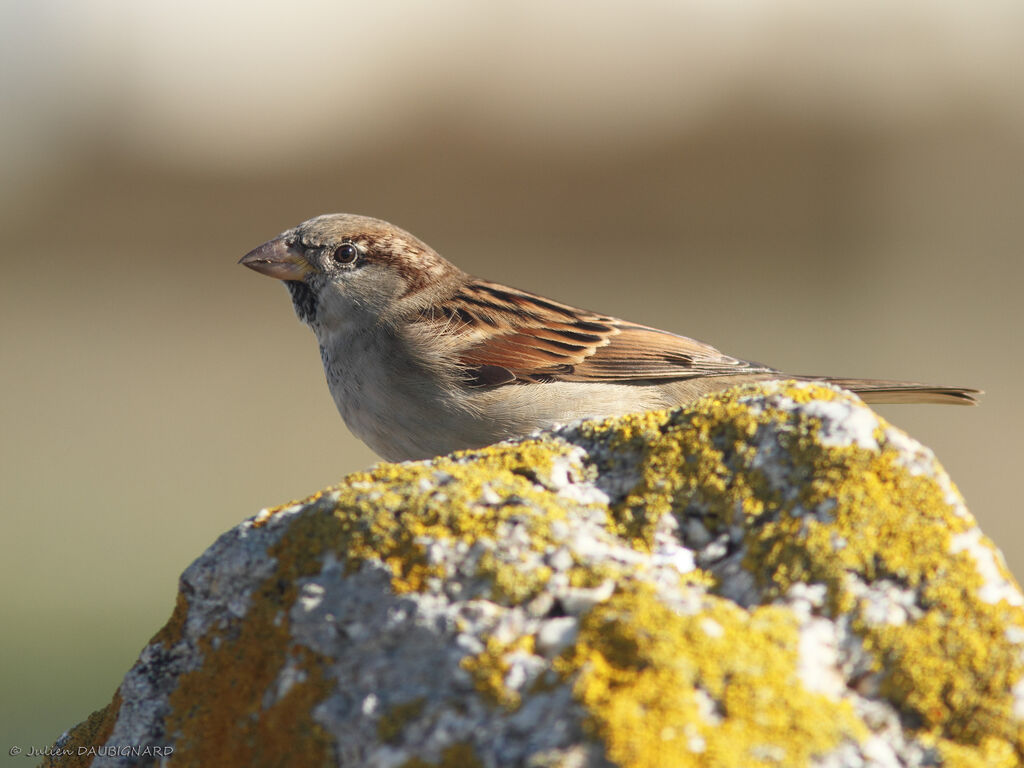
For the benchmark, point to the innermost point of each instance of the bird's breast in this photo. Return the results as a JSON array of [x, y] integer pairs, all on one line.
[[390, 402]]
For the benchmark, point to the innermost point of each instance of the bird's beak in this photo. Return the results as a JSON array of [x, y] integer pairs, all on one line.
[[278, 259]]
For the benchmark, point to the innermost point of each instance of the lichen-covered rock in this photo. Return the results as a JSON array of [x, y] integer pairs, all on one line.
[[772, 577]]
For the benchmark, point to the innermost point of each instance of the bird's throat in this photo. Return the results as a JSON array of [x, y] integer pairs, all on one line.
[[304, 300]]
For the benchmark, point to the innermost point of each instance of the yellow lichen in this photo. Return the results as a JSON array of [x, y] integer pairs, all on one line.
[[990, 752], [718, 688], [491, 665], [513, 585], [456, 756], [952, 670], [660, 688], [391, 723], [394, 511], [390, 513], [216, 714], [93, 732], [591, 575]]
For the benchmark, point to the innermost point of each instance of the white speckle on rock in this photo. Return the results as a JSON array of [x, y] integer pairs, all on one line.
[[679, 558], [311, 596], [880, 753], [885, 603], [707, 709], [370, 703], [717, 549], [263, 515], [511, 625], [1015, 634], [471, 644], [696, 743], [560, 530], [541, 605], [561, 560], [561, 471], [490, 497], [522, 669], [807, 596], [818, 658], [995, 587], [844, 423], [566, 480], [711, 627], [1018, 699], [578, 600], [911, 454], [556, 634]]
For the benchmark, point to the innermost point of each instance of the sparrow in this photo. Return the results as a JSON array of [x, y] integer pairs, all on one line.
[[423, 359]]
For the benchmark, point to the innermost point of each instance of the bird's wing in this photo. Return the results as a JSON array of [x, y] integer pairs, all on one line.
[[507, 335]]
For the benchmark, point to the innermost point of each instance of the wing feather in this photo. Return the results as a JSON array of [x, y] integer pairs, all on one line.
[[513, 336]]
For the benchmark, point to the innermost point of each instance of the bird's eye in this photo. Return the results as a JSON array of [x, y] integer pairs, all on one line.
[[346, 253]]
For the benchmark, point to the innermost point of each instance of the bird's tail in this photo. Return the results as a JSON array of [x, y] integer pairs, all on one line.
[[883, 391]]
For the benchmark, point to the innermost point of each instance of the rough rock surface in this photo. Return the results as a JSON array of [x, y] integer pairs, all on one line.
[[773, 577]]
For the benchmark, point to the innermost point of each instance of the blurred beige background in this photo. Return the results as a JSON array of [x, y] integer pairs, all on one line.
[[830, 188]]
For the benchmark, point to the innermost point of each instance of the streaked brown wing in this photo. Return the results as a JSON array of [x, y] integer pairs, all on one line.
[[527, 338], [639, 352]]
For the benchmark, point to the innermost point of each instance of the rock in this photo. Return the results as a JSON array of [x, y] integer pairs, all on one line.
[[774, 576]]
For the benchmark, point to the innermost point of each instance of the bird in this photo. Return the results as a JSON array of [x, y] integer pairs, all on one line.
[[423, 359]]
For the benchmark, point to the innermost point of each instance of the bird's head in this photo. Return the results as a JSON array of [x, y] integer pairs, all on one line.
[[344, 269]]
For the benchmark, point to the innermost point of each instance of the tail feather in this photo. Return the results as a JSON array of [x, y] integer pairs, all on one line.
[[883, 391]]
